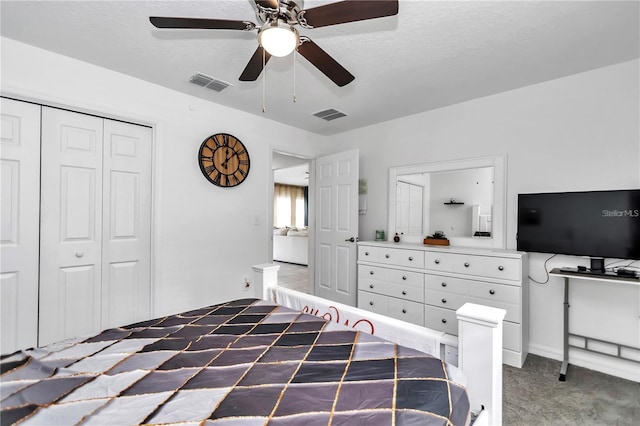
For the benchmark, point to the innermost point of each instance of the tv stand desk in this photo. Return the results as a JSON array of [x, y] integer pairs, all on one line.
[[567, 274]]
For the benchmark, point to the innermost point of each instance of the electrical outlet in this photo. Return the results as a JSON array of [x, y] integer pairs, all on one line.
[[247, 284]]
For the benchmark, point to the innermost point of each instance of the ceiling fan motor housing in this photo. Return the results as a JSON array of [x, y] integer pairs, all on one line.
[[287, 11]]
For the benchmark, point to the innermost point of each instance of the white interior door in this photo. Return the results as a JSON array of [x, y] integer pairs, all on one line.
[[71, 225], [20, 207], [337, 226], [126, 241]]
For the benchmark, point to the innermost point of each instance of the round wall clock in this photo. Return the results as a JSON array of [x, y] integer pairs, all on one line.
[[224, 160]]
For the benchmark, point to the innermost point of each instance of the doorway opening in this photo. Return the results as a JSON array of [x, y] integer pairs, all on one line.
[[291, 221]]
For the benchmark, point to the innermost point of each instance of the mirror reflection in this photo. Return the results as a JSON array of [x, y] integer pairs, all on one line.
[[464, 199], [458, 203]]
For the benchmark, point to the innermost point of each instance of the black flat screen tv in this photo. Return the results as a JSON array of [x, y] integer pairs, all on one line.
[[603, 224]]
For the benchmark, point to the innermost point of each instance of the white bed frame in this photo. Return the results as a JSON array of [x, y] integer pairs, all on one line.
[[479, 337]]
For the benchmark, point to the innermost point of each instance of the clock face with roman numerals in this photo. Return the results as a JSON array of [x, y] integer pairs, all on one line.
[[224, 160]]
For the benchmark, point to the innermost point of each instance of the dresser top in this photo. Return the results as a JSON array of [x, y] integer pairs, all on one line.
[[444, 249]]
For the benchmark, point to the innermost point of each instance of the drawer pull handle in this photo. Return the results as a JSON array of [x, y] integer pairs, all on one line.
[[492, 292], [370, 285], [404, 293], [437, 261], [410, 258], [387, 256], [443, 284], [371, 303], [444, 300], [366, 253], [444, 321], [370, 272], [500, 268], [404, 311], [466, 264], [404, 277]]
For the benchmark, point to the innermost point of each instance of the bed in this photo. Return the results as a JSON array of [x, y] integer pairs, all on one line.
[[248, 361]]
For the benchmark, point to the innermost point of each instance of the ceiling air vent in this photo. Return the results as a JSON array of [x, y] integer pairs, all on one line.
[[209, 82], [330, 114]]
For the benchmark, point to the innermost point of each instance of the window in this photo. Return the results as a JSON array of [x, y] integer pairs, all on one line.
[[289, 206]]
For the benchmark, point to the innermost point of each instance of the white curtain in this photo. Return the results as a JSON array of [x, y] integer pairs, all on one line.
[[288, 206]]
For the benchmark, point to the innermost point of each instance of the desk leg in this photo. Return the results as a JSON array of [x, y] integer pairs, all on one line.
[[565, 349]]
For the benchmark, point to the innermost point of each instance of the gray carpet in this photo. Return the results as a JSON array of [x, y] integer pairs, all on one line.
[[534, 396]]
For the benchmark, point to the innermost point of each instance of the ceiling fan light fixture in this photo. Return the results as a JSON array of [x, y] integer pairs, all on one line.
[[278, 38]]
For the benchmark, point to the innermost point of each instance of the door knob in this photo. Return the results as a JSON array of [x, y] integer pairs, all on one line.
[[351, 240]]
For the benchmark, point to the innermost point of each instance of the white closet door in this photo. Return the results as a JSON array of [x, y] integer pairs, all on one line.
[[19, 181], [126, 271], [71, 225]]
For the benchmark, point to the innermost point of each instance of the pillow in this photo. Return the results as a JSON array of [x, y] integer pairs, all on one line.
[[280, 231], [298, 233]]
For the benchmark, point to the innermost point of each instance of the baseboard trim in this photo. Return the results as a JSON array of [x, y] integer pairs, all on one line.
[[620, 368]]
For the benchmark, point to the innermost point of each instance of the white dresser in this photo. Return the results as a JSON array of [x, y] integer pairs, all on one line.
[[425, 285]]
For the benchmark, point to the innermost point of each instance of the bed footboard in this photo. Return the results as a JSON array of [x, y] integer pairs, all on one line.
[[479, 342]]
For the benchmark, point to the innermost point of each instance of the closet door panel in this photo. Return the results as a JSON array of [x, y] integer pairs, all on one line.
[[19, 212], [71, 225], [126, 275]]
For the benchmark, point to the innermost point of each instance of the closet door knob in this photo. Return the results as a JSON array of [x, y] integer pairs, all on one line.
[[387, 256], [466, 264], [404, 277], [492, 292], [371, 303], [443, 284], [437, 261], [370, 272], [79, 254], [404, 311], [404, 293], [366, 253], [500, 268], [410, 258], [444, 321], [370, 285], [444, 300]]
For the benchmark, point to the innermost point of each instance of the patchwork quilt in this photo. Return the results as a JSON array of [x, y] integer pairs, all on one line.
[[245, 362]]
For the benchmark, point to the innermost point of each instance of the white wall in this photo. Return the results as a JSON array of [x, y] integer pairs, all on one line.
[[580, 132], [205, 238]]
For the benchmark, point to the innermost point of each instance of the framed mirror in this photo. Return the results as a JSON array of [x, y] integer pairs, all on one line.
[[464, 199]]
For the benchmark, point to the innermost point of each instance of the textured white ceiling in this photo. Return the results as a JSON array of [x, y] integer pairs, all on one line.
[[430, 55]]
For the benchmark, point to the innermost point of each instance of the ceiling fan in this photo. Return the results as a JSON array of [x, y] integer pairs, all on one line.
[[279, 19]]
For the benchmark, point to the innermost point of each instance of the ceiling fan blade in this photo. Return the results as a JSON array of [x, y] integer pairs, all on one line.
[[349, 11], [254, 66], [325, 63], [197, 23], [270, 4]]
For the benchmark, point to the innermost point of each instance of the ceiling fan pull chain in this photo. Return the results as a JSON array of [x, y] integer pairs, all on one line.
[[264, 82]]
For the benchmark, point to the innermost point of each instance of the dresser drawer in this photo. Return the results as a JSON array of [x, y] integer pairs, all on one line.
[[391, 282], [368, 253], [513, 311], [441, 319], [372, 302], [401, 257], [502, 267], [439, 261], [493, 291], [447, 284], [444, 299], [406, 311], [407, 278]]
